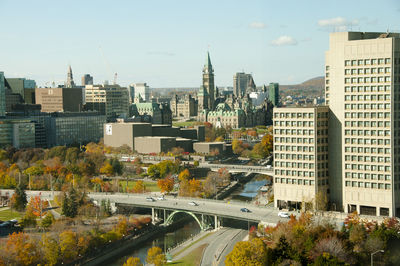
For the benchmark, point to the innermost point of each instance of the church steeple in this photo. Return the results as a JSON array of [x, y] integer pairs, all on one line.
[[70, 78]]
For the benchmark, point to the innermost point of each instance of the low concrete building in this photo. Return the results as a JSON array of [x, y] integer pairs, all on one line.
[[154, 144], [185, 144], [209, 147], [118, 134], [164, 130]]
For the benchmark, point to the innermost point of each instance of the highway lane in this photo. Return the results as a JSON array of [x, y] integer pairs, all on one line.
[[215, 251]]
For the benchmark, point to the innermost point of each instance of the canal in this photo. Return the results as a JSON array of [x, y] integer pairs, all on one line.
[[168, 240]]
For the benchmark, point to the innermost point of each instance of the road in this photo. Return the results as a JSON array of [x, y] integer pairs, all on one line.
[[220, 244]]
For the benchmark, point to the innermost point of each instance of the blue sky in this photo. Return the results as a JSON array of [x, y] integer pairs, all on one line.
[[164, 43]]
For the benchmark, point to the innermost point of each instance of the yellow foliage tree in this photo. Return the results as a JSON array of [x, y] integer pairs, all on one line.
[[50, 249], [68, 245], [156, 257], [184, 175], [133, 261], [22, 250], [253, 252]]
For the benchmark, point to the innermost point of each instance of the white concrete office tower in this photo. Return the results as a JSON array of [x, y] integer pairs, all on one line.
[[141, 90], [301, 157], [2, 95], [363, 94]]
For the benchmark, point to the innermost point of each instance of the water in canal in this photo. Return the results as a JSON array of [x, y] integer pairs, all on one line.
[[164, 241]]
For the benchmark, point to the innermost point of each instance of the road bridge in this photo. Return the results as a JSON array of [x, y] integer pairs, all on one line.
[[207, 213], [237, 168]]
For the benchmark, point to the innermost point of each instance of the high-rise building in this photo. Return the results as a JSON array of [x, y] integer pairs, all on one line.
[[59, 99], [141, 90], [2, 95], [87, 80], [206, 95], [363, 92], [274, 93], [300, 156], [70, 79], [240, 83], [111, 100], [24, 87]]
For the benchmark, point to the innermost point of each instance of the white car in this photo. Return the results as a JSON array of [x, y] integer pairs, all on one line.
[[150, 199], [284, 214], [192, 203], [161, 198]]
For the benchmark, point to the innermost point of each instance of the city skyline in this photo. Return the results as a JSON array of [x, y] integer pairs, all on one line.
[[164, 43]]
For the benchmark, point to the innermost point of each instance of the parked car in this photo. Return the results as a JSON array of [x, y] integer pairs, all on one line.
[[244, 210], [284, 214], [192, 203], [150, 199]]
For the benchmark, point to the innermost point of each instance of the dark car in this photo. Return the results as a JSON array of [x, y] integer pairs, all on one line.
[[244, 210]]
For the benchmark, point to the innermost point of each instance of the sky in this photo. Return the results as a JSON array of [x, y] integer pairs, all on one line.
[[164, 42]]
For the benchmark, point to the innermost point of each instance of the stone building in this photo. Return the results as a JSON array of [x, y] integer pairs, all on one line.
[[185, 107], [151, 112]]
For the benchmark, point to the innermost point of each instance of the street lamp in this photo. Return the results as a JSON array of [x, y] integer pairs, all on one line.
[[372, 256]]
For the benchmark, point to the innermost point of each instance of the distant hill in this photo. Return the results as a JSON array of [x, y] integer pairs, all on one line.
[[312, 88]]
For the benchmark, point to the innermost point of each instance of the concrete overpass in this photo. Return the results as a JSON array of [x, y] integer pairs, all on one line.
[[207, 213]]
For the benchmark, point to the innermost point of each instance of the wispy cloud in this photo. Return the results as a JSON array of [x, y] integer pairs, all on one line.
[[257, 25], [160, 53], [337, 24], [284, 41]]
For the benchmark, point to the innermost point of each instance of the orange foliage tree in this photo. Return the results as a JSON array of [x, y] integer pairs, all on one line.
[[38, 206], [166, 184], [22, 250]]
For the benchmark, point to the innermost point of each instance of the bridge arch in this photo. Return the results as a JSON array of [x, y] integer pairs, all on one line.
[[170, 218]]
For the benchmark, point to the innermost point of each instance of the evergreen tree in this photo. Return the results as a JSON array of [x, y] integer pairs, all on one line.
[[19, 199]]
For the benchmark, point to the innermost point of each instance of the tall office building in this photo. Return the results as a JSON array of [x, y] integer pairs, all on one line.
[[59, 99], [111, 100], [2, 95], [300, 156], [141, 90], [240, 83], [24, 87], [87, 80], [274, 93], [362, 91]]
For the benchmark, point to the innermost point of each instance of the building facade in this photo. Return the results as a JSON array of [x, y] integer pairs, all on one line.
[[274, 93], [17, 133], [2, 95], [240, 83], [185, 106], [141, 90], [111, 100], [59, 99], [87, 80], [155, 113], [363, 92], [24, 87], [300, 156]]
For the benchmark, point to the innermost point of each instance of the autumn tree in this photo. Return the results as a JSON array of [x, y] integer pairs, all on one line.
[[139, 187], [38, 206], [184, 175], [237, 146], [133, 261], [156, 257], [68, 245], [47, 221], [22, 250], [252, 252], [19, 200], [166, 184], [107, 169], [50, 249]]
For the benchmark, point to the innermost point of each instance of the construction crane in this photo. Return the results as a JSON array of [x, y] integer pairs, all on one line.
[[107, 63]]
